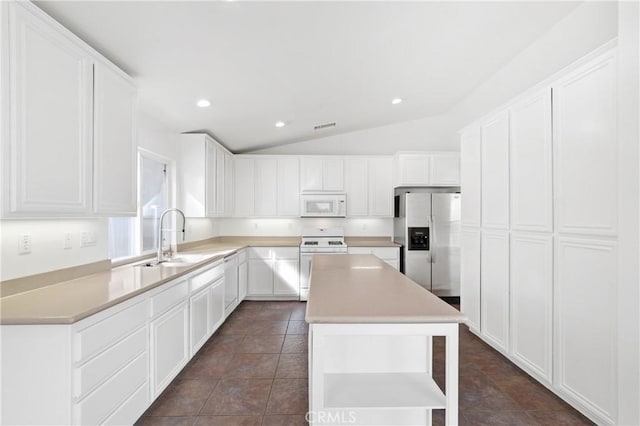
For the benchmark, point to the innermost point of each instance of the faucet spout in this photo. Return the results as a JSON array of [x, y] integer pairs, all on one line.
[[160, 229]]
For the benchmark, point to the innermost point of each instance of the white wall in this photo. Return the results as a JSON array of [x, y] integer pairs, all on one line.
[[629, 215], [293, 226], [47, 245], [587, 27]]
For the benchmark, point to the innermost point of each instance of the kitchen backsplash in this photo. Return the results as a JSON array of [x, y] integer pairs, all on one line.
[[360, 227]]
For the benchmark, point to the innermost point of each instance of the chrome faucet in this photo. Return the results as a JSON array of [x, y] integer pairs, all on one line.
[[160, 229]]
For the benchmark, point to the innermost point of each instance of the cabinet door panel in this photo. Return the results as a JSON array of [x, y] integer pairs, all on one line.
[[531, 286], [470, 176], [220, 173], [211, 172], [414, 169], [286, 280], [244, 181], [585, 323], [199, 320], [288, 187], [48, 157], [311, 174], [216, 305], [531, 167], [494, 290], [228, 185], [381, 187], [242, 281], [266, 186], [495, 172], [470, 276], [444, 170], [115, 188], [585, 156], [260, 277], [169, 346], [357, 186], [333, 174]]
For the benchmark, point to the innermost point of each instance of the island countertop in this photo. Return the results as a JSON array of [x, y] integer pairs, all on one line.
[[360, 288]]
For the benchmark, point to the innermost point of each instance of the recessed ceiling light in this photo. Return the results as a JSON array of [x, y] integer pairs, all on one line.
[[396, 101], [203, 103], [280, 124]]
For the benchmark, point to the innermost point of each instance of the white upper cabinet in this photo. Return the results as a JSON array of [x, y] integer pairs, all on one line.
[[288, 183], [357, 186], [412, 170], [321, 174], [470, 176], [531, 164], [219, 182], [63, 154], [115, 187], [48, 155], [444, 169], [426, 169], [585, 149], [380, 187], [495, 172], [266, 193], [228, 184], [266, 185], [244, 183], [202, 176]]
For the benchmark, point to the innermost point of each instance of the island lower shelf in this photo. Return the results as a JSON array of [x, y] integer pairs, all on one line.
[[389, 390]]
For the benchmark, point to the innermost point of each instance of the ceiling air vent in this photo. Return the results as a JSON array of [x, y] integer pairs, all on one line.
[[324, 126]]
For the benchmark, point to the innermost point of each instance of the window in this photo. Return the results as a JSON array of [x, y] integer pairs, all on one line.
[[132, 236]]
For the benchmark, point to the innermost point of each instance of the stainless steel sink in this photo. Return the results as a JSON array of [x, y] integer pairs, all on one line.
[[178, 261]]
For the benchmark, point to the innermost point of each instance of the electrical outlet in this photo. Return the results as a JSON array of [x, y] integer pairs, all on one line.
[[67, 241], [24, 244]]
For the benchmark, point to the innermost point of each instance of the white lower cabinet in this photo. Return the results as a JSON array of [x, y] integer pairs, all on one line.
[[390, 255], [286, 280], [198, 320], [494, 292], [470, 277], [531, 303], [585, 324], [273, 273], [169, 346], [243, 276]]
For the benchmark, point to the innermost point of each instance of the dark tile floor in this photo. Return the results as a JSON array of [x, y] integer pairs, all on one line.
[[253, 371]]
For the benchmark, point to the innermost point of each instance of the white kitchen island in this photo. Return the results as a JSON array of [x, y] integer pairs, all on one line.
[[370, 345]]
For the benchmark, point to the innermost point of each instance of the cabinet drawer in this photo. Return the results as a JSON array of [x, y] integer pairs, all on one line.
[[200, 280], [132, 409], [169, 297], [98, 337], [106, 364], [242, 256], [95, 408], [260, 253]]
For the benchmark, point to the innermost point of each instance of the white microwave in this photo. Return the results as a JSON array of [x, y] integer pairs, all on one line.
[[323, 205]]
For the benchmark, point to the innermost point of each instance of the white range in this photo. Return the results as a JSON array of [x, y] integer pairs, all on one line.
[[318, 241]]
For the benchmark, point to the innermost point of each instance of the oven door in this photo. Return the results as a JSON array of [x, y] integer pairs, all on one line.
[[305, 273]]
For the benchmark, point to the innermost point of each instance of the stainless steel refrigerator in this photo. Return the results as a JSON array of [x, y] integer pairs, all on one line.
[[427, 224]]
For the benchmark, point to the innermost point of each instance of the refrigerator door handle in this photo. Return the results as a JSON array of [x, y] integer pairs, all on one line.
[[432, 239]]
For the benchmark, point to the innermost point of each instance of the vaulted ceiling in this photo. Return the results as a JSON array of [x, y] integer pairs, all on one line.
[[304, 63]]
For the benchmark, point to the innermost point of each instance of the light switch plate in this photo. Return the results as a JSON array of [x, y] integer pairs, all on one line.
[[24, 246]]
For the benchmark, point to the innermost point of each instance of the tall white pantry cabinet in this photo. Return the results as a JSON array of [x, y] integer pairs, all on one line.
[[539, 232]]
